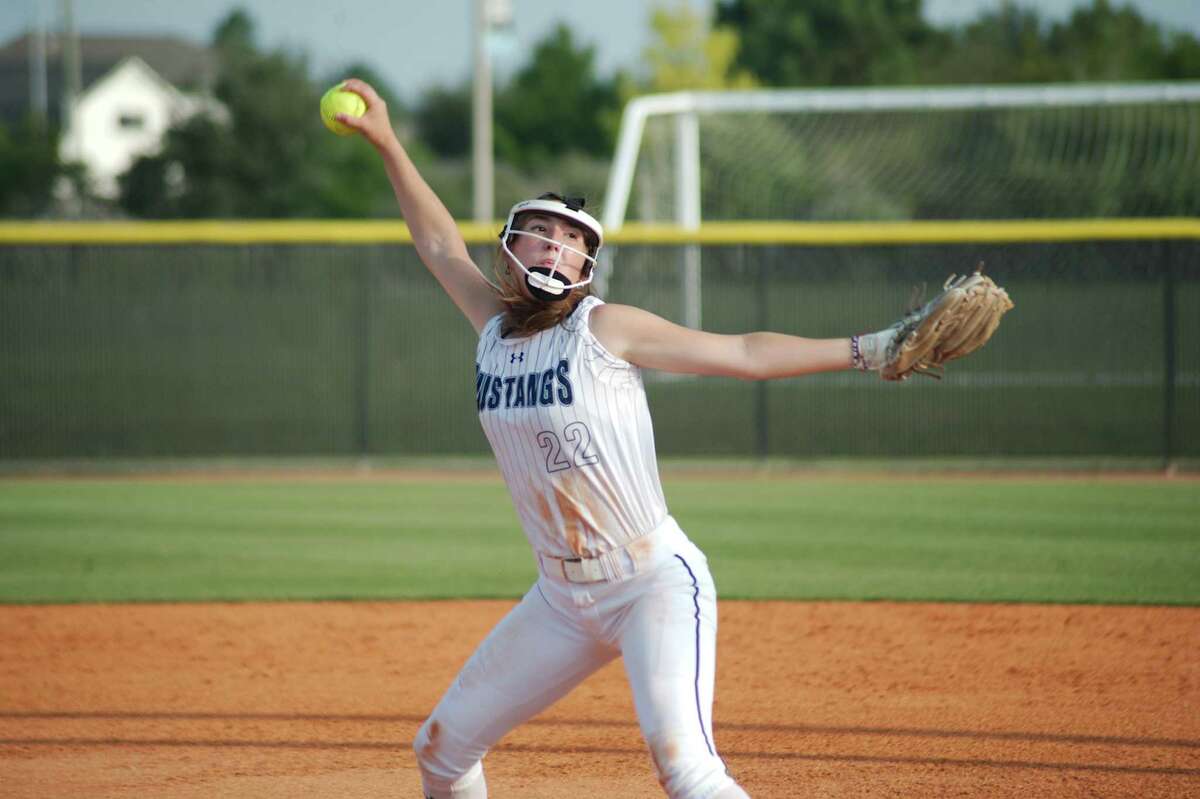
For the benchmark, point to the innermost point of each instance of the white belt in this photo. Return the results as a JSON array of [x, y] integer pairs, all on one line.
[[617, 564], [575, 570]]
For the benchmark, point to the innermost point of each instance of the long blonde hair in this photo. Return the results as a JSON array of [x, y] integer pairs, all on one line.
[[524, 316]]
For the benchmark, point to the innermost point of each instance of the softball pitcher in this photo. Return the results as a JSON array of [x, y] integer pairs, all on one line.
[[559, 392]]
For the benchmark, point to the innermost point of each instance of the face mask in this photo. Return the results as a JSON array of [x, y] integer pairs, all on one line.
[[546, 283]]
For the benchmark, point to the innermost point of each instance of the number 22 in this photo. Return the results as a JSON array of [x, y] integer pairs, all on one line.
[[575, 433]]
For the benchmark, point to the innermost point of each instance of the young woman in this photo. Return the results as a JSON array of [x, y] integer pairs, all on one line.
[[560, 397]]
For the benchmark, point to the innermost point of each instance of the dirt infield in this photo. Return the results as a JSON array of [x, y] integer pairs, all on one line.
[[813, 699]]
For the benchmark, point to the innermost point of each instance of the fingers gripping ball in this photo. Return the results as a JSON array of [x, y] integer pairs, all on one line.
[[339, 101], [953, 324]]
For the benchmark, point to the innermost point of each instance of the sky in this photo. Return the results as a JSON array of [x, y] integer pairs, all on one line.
[[418, 44]]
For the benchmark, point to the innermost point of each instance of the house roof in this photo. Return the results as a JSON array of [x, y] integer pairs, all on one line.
[[183, 64]]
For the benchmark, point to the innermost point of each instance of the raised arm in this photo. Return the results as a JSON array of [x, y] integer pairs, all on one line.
[[652, 342], [435, 235]]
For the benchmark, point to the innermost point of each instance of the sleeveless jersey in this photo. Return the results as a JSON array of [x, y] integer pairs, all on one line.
[[571, 430]]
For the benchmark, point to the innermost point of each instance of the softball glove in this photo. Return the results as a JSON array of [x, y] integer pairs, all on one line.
[[952, 325]]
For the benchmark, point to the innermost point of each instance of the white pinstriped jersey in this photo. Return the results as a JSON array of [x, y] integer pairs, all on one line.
[[571, 430]]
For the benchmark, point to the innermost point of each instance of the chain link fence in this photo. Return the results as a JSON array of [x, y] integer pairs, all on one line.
[[189, 350]]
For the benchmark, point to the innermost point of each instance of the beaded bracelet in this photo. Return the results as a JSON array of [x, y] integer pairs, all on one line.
[[856, 359]]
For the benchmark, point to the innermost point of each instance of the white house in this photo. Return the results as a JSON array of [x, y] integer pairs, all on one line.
[[123, 115]]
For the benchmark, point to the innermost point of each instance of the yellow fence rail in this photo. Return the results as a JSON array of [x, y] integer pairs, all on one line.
[[713, 233]]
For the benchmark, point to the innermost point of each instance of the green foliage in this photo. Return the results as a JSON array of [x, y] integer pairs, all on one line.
[[269, 158], [30, 165], [887, 42], [451, 179], [443, 120], [687, 55], [830, 42], [1102, 43], [195, 175], [1182, 59], [554, 115], [1003, 46], [234, 35], [554, 105]]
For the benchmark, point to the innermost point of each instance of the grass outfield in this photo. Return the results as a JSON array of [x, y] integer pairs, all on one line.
[[801, 537]]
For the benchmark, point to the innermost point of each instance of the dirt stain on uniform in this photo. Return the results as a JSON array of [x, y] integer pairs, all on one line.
[[663, 753], [543, 507], [431, 745], [572, 523], [578, 517], [575, 541], [641, 549]]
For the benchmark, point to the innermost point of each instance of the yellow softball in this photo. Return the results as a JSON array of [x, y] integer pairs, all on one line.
[[339, 101]]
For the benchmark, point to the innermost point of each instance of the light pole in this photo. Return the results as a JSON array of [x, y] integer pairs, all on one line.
[[38, 97], [72, 78], [489, 15]]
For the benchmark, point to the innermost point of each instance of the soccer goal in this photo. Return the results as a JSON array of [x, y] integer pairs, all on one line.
[[1048, 152]]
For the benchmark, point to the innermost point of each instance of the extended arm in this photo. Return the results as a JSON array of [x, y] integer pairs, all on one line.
[[435, 235], [956, 323], [652, 342]]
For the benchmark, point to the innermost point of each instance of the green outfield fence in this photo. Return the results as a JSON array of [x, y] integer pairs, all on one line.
[[314, 338]]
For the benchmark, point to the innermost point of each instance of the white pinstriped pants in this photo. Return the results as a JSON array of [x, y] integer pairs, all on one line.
[[661, 620]]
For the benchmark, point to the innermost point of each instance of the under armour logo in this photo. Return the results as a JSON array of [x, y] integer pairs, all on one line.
[[517, 357]]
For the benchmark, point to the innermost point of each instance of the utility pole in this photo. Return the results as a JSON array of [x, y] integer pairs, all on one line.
[[489, 15], [38, 98], [72, 70], [481, 118]]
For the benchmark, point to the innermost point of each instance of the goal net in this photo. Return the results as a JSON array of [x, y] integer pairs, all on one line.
[[1020, 152]]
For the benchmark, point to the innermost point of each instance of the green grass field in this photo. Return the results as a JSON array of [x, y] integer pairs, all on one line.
[[798, 537]]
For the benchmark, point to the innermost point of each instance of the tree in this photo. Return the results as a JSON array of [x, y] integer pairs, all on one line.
[[556, 105], [685, 54], [1103, 43], [887, 42], [443, 119], [1183, 57], [31, 168], [831, 42], [1007, 45], [1098, 42], [553, 123], [553, 106], [234, 35], [269, 158]]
